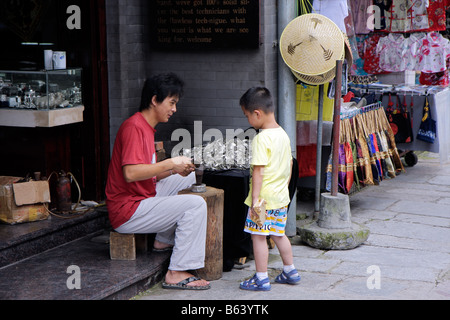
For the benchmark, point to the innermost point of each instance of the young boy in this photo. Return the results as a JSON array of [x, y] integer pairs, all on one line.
[[271, 167]]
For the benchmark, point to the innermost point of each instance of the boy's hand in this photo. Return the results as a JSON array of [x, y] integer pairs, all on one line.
[[258, 212]]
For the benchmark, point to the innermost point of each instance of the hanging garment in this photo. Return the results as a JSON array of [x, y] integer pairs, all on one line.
[[414, 54], [436, 15], [371, 56], [306, 157], [435, 79], [435, 50], [397, 16], [417, 15], [393, 151], [447, 17], [383, 148], [360, 15], [335, 10], [385, 6], [359, 160], [348, 172], [363, 151], [392, 50], [407, 16], [367, 152]]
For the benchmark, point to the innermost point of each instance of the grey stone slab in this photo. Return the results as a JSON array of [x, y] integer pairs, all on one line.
[[423, 220], [383, 240], [392, 257], [411, 230], [389, 290], [440, 180], [425, 274], [422, 207], [362, 201]]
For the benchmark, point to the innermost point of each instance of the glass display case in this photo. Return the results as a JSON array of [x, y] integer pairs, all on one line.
[[41, 90]]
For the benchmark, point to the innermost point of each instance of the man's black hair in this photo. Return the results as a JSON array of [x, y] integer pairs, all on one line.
[[162, 86], [257, 98]]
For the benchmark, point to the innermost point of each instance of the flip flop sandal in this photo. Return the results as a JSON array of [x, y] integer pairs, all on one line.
[[288, 278], [183, 285], [254, 284]]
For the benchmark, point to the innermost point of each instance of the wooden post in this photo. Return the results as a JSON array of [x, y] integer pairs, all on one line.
[[214, 234], [336, 128]]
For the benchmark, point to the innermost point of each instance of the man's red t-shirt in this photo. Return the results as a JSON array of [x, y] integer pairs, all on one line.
[[135, 144]]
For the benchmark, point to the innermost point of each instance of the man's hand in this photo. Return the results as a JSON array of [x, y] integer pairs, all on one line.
[[183, 166]]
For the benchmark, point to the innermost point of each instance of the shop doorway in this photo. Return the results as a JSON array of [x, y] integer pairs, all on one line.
[[78, 27]]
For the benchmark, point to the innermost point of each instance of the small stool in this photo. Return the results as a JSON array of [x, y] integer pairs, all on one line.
[[125, 246], [214, 234]]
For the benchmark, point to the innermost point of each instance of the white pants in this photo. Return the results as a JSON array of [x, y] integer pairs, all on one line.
[[178, 220]]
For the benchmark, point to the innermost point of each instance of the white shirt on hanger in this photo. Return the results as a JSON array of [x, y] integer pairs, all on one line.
[[414, 55], [435, 51], [335, 10], [392, 50]]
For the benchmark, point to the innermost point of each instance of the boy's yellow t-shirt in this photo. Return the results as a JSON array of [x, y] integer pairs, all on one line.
[[271, 148]]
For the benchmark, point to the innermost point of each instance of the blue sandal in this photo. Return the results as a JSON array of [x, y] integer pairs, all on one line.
[[254, 284], [288, 278]]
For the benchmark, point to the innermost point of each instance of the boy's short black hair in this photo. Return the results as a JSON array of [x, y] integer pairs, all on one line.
[[258, 98], [162, 86]]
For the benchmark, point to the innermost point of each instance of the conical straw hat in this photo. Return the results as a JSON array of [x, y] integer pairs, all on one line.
[[317, 79], [311, 44], [348, 52]]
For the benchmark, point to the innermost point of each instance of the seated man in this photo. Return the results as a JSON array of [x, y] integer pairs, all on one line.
[[142, 193]]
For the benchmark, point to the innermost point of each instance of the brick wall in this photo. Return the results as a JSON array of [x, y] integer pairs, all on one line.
[[215, 79]]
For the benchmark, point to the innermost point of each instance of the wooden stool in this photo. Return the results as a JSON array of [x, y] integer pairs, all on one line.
[[214, 235], [125, 246]]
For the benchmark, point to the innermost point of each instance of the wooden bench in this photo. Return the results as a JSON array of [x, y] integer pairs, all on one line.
[[126, 246]]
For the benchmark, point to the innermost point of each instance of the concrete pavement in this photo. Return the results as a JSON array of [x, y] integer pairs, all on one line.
[[407, 255]]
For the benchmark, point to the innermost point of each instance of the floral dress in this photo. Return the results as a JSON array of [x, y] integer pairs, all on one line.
[[414, 55], [392, 50], [435, 50], [371, 56]]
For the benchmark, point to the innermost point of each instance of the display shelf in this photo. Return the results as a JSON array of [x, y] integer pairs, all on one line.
[[29, 118]]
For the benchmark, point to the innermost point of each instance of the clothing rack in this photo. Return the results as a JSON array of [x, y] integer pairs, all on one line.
[[419, 90], [353, 112], [367, 150]]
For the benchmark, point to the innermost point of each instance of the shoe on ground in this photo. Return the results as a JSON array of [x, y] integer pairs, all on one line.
[[254, 284], [288, 278]]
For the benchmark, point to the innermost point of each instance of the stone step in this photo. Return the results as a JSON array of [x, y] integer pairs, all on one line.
[[81, 270], [20, 241]]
